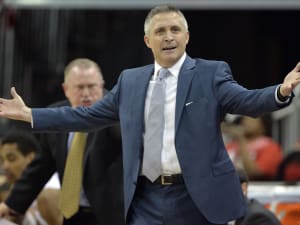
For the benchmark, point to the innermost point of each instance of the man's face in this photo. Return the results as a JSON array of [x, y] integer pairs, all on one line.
[[13, 161], [83, 87], [167, 38]]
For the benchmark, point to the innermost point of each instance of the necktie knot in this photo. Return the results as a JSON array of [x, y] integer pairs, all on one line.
[[163, 73]]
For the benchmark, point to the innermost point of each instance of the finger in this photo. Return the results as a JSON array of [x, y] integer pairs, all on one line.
[[297, 68], [13, 92]]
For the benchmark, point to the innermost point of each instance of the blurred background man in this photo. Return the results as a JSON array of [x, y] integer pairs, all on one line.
[[101, 196]]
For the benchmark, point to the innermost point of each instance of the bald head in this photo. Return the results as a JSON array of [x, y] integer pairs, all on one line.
[[83, 82]]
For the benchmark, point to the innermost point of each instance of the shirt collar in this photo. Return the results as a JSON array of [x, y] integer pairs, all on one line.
[[174, 70]]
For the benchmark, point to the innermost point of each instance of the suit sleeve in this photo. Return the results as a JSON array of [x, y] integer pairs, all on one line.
[[237, 99], [102, 114]]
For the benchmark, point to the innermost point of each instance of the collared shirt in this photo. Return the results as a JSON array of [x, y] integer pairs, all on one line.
[[170, 164]]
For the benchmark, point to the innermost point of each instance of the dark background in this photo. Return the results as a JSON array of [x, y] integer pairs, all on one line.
[[261, 46]]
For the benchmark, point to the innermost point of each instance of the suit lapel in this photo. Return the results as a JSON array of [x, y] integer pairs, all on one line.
[[184, 81], [140, 94], [87, 149]]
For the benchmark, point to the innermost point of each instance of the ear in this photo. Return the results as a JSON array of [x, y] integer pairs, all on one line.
[[65, 88], [146, 40], [187, 37], [30, 157]]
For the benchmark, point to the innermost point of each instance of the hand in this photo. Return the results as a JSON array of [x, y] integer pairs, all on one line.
[[4, 210], [290, 81], [15, 108], [9, 214]]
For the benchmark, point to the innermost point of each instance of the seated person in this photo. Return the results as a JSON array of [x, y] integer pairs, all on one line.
[[256, 213], [289, 169], [17, 150], [252, 147]]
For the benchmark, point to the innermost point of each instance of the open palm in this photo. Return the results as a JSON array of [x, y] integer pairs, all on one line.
[[14, 108], [291, 80]]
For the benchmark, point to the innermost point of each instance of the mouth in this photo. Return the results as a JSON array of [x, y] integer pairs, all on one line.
[[86, 102], [169, 49], [9, 177]]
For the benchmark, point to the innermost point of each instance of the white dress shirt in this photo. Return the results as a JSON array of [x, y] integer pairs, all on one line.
[[170, 164]]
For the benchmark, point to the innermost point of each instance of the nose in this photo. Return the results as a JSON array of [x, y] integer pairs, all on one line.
[[85, 91], [168, 36]]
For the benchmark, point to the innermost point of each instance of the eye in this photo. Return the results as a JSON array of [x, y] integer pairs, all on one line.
[[159, 31], [79, 87], [11, 158], [176, 29], [92, 86]]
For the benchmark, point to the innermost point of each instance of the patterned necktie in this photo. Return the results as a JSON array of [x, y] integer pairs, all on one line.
[[154, 128], [72, 180]]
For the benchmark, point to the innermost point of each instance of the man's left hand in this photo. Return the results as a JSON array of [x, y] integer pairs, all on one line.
[[291, 80]]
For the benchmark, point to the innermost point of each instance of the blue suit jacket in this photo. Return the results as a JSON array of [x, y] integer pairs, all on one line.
[[205, 92]]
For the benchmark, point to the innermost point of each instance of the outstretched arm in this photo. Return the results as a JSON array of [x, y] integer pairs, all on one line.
[[15, 108], [291, 80]]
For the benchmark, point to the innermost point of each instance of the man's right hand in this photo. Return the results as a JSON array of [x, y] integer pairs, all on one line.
[[9, 214], [4, 210], [15, 108]]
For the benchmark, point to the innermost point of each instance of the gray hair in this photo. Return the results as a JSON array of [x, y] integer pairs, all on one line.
[[163, 9]]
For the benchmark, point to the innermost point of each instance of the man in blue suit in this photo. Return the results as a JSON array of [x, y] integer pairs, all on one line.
[[197, 183]]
